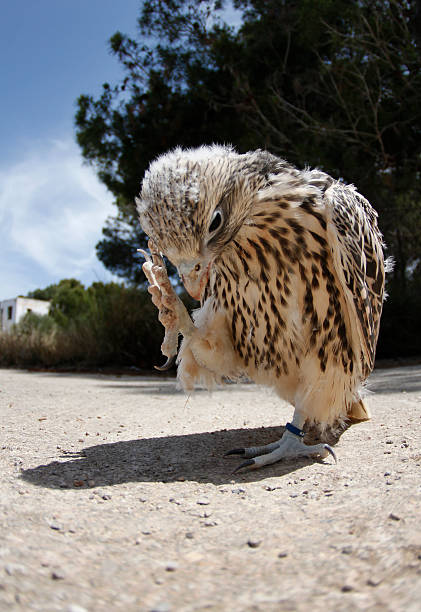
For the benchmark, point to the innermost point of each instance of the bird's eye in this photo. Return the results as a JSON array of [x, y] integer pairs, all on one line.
[[216, 221], [197, 267]]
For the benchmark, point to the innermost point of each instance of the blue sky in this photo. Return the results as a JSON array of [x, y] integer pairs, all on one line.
[[52, 206]]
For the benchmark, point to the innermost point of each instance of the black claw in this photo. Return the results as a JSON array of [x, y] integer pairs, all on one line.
[[167, 365], [331, 451], [235, 451], [247, 463]]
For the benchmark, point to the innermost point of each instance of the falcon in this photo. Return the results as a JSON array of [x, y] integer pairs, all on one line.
[[289, 269]]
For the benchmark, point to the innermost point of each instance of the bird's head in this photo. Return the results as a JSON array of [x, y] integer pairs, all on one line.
[[194, 202]]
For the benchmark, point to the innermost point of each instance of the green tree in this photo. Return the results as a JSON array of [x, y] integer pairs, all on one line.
[[358, 111], [330, 83], [70, 302], [43, 294]]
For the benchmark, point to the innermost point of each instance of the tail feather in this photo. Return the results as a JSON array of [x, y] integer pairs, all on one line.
[[359, 411]]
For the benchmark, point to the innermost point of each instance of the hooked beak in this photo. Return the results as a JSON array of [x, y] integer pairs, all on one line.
[[194, 277]]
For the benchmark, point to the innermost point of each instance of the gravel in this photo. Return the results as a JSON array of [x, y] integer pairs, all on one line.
[[115, 495]]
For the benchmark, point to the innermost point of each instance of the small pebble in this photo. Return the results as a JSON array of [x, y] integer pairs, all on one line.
[[162, 607], [171, 566], [347, 550], [282, 555], [106, 496], [254, 543], [190, 535], [57, 575], [394, 517], [78, 483], [55, 526], [347, 588], [203, 501]]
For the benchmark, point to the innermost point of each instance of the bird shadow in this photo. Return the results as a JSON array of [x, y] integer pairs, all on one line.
[[194, 457]]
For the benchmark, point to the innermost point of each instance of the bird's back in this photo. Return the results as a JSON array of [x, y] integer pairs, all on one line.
[[302, 287]]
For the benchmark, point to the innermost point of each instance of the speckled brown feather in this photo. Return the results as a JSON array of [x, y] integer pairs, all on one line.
[[297, 281], [358, 250]]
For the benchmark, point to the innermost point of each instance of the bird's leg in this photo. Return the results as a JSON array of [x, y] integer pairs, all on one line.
[[172, 313], [290, 445]]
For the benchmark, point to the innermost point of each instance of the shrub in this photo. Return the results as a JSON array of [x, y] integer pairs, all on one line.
[[115, 326]]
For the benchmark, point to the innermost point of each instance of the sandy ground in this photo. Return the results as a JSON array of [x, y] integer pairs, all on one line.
[[115, 495]]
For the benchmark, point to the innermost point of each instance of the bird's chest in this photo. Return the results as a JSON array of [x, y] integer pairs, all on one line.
[[254, 297]]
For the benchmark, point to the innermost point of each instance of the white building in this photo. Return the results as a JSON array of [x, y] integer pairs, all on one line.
[[11, 311]]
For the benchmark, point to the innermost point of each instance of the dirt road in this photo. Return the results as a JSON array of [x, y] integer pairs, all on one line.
[[115, 496]]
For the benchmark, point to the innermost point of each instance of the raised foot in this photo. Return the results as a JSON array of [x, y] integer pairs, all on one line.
[[167, 365], [172, 312], [288, 446]]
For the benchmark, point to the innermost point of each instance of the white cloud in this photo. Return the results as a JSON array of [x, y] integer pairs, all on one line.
[[52, 210]]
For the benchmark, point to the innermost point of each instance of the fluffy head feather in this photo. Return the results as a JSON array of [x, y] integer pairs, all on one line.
[[193, 202]]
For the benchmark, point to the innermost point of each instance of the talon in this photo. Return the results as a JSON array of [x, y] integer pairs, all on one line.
[[331, 451], [167, 365], [247, 463], [235, 451], [145, 254]]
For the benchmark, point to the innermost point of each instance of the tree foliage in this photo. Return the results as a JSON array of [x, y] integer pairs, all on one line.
[[105, 324], [330, 83]]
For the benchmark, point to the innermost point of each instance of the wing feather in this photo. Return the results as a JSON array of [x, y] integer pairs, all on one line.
[[357, 249]]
